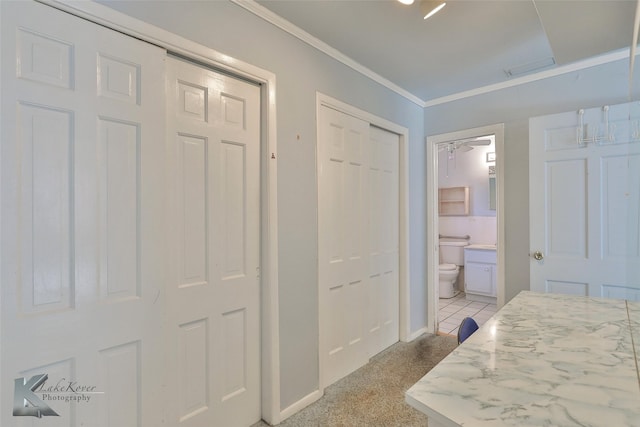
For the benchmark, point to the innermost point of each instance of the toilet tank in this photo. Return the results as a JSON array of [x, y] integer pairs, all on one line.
[[452, 252]]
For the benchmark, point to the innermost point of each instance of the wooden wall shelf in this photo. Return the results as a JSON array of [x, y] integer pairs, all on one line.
[[453, 201]]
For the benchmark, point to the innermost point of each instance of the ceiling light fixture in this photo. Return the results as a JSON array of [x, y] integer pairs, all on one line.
[[463, 144], [407, 2], [430, 8]]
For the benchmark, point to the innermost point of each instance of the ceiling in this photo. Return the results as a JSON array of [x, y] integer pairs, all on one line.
[[469, 44]]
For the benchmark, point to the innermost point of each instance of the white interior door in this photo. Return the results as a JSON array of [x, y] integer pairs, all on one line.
[[383, 284], [82, 222], [358, 241], [343, 244], [213, 298], [585, 202]]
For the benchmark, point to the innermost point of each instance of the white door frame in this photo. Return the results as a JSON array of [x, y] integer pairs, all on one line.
[[270, 350], [432, 214], [403, 232]]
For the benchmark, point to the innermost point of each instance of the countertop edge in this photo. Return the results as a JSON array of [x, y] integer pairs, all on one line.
[[430, 413]]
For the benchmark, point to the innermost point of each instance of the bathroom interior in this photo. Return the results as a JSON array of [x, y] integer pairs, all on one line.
[[467, 231]]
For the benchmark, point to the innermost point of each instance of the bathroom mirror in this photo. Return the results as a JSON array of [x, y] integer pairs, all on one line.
[[492, 188]]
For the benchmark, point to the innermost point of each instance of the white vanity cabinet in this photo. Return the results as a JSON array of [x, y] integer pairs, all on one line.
[[480, 272]]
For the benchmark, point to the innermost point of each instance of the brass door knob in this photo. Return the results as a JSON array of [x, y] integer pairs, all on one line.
[[538, 255]]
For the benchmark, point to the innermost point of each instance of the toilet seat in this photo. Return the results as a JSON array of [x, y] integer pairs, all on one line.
[[447, 267]]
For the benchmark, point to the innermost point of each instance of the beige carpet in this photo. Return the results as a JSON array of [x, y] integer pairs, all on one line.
[[374, 394]]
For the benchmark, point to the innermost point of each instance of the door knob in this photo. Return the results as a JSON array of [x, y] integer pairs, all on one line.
[[538, 255]]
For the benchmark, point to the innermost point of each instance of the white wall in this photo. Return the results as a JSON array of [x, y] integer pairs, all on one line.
[[468, 169], [482, 229], [300, 71], [593, 87]]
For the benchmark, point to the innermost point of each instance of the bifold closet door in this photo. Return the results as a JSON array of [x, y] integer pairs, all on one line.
[[82, 222], [213, 298]]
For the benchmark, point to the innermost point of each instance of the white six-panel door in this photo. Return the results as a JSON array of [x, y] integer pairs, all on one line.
[[104, 215], [213, 298], [343, 246], [82, 222], [585, 202], [383, 284], [358, 241]]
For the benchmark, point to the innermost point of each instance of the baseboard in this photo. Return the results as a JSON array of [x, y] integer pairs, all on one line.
[[480, 298], [417, 333], [300, 404]]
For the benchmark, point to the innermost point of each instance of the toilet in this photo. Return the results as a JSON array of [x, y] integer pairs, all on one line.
[[451, 259]]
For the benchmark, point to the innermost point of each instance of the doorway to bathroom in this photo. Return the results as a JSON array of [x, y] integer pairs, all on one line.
[[465, 227]]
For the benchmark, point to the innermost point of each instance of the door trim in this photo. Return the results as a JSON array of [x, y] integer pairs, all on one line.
[[432, 214], [110, 18], [403, 223]]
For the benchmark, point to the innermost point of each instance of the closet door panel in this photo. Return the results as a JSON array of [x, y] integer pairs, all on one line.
[[82, 222]]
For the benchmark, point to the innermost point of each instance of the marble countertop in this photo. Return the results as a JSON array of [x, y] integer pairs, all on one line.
[[542, 360]]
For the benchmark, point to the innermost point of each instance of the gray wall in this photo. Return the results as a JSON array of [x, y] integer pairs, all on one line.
[[593, 87], [300, 71]]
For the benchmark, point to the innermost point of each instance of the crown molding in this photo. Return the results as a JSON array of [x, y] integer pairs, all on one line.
[[564, 69], [264, 13]]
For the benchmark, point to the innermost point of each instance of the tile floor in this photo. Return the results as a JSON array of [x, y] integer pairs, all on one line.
[[453, 310]]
